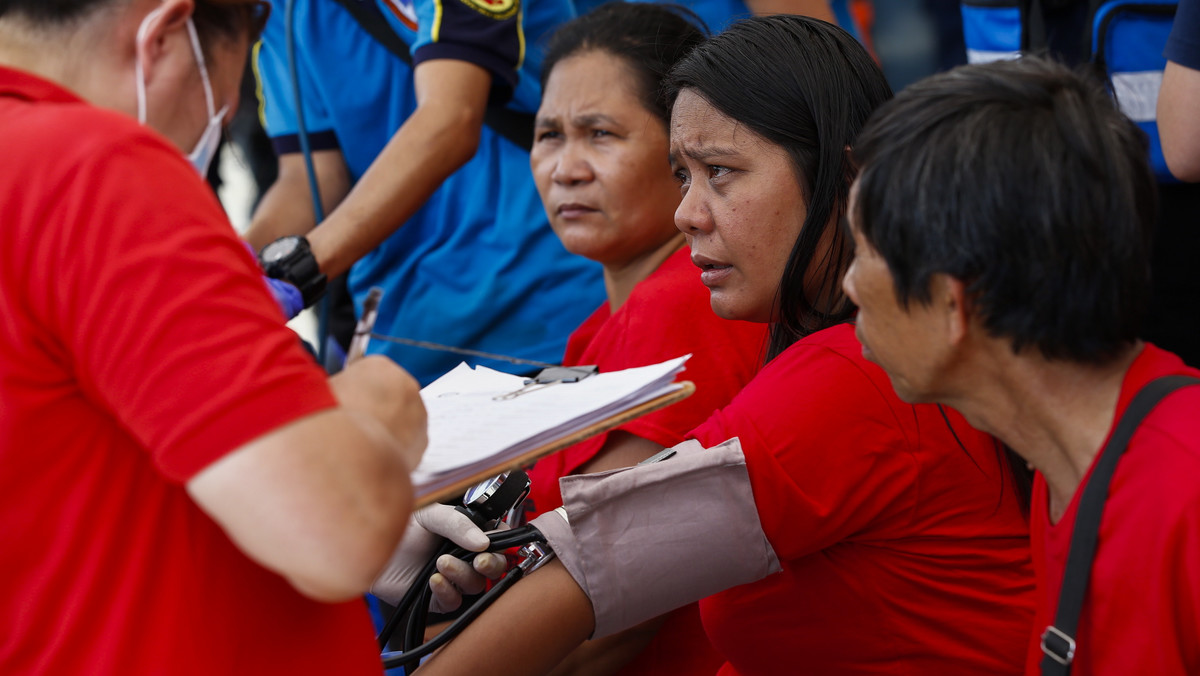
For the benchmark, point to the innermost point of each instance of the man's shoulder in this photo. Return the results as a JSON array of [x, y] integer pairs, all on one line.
[[1163, 457], [64, 136], [1173, 430], [67, 164], [1172, 424]]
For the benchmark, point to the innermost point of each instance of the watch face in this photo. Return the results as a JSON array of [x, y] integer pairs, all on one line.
[[280, 249]]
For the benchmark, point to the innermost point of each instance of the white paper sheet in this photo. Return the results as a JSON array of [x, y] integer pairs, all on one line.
[[469, 429]]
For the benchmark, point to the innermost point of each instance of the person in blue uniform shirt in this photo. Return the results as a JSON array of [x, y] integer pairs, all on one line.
[[424, 199]]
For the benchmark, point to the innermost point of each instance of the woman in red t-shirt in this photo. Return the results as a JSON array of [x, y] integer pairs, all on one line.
[[600, 162], [895, 540]]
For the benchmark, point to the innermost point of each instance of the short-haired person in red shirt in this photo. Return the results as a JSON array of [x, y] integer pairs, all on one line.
[[182, 491], [1003, 216], [828, 527]]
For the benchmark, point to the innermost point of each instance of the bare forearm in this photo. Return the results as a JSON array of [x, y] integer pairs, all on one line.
[[621, 449], [412, 166], [540, 620], [363, 524], [286, 208], [438, 138], [324, 499], [326, 521], [608, 655], [1178, 125]]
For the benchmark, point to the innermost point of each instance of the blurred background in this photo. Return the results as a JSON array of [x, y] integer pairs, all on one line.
[[910, 38]]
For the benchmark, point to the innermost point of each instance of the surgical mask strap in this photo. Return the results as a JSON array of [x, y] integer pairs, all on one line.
[[137, 64], [208, 93], [141, 79]]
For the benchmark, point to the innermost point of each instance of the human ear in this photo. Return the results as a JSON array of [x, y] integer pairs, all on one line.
[[949, 299], [157, 25]]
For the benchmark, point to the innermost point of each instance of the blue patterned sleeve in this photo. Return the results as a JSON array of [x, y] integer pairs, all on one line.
[[487, 33], [1183, 47], [276, 95]]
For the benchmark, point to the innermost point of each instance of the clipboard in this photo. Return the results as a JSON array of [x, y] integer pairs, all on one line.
[[459, 487]]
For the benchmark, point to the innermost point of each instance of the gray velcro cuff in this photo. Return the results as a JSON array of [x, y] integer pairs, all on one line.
[[641, 540]]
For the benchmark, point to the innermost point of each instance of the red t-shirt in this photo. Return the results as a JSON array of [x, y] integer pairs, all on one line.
[[138, 344], [902, 551], [1140, 615], [667, 315]]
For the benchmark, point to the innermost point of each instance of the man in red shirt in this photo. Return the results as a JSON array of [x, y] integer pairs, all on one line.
[[181, 490], [1002, 218]]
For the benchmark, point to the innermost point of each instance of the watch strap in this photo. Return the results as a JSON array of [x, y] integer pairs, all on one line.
[[299, 268]]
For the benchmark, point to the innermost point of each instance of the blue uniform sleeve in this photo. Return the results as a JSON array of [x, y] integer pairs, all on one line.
[[487, 33], [1183, 47], [277, 97]]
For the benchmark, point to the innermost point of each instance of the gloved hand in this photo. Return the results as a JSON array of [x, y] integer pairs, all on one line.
[[426, 530], [290, 301], [287, 295]]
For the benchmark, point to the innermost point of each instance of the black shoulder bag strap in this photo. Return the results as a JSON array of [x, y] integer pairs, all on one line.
[[1058, 641], [512, 125]]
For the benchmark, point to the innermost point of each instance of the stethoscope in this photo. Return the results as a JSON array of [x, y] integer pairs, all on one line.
[[487, 504]]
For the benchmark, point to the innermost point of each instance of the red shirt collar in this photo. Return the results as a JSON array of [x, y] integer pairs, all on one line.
[[23, 85]]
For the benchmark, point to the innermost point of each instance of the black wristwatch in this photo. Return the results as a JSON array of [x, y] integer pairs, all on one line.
[[291, 259]]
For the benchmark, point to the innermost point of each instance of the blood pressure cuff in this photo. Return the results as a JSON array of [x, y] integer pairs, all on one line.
[[641, 540]]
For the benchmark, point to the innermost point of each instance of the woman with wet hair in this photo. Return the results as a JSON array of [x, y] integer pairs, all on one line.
[[829, 527]]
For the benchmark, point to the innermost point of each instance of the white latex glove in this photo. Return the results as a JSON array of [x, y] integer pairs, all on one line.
[[426, 530], [455, 577]]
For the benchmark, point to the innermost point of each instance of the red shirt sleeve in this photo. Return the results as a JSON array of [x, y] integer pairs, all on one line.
[[164, 312], [824, 450]]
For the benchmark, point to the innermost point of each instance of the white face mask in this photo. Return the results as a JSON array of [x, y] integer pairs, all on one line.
[[210, 141]]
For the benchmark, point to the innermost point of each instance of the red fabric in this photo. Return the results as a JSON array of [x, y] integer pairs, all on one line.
[[902, 552], [667, 315], [1143, 599], [138, 344]]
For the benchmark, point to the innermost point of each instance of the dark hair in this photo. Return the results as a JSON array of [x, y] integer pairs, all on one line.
[[227, 19], [1023, 180], [808, 87], [230, 19], [50, 12], [650, 37]]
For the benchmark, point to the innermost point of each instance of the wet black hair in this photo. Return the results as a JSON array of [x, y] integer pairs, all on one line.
[[46, 12], [806, 86]]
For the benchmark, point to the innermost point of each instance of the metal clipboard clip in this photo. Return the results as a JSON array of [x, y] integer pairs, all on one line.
[[552, 375]]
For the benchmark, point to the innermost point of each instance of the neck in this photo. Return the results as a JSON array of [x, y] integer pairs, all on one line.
[[621, 278], [24, 47], [1055, 414]]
